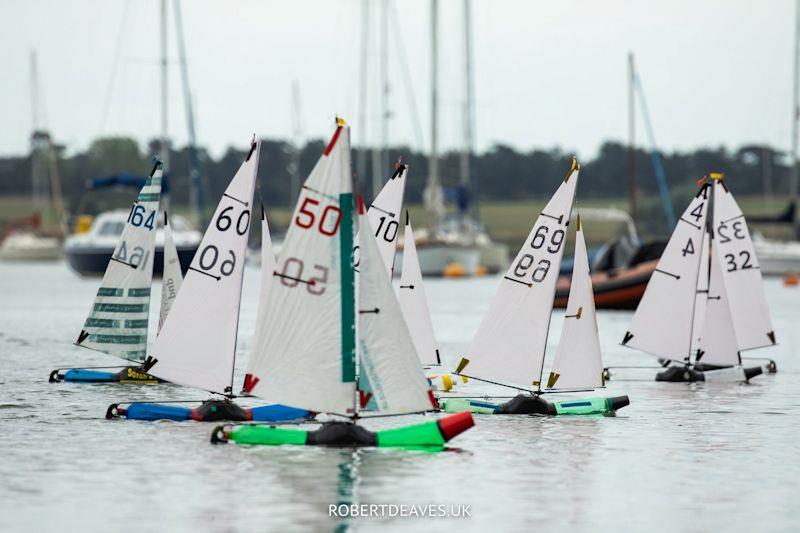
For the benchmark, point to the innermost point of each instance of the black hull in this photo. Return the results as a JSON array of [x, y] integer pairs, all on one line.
[[93, 262]]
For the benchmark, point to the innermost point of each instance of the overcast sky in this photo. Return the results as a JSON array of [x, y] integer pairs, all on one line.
[[547, 73]]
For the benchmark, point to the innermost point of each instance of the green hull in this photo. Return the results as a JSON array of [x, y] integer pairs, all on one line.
[[432, 434]]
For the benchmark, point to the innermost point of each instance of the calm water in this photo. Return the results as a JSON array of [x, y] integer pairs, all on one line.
[[680, 457]]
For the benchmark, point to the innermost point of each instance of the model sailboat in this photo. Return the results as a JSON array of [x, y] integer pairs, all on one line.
[[118, 321], [197, 343], [705, 302], [310, 353], [509, 348]]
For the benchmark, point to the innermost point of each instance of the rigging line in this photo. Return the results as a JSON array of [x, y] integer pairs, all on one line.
[[123, 262], [235, 199], [676, 276], [387, 415], [404, 69], [518, 281], [114, 67], [89, 367], [205, 273], [406, 286]]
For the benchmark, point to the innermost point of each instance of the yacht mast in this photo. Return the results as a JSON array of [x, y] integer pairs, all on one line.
[[631, 138], [361, 163], [793, 180], [164, 92], [469, 105]]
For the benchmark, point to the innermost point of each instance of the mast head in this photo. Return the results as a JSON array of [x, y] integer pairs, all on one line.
[[578, 222], [340, 121], [573, 167], [718, 176]]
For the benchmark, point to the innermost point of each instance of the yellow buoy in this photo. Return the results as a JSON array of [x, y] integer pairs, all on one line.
[[481, 270]]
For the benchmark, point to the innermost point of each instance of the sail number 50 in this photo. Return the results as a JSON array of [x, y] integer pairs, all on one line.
[[329, 219]]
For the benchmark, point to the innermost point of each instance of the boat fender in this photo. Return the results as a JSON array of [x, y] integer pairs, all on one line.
[[752, 372], [680, 374], [341, 434], [114, 411], [524, 404], [219, 410], [54, 377], [618, 402]]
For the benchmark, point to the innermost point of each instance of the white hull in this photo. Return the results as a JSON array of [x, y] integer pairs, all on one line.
[[435, 258], [30, 247], [776, 258], [725, 375]]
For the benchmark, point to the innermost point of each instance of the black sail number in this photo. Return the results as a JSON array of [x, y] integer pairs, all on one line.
[[524, 264], [210, 257], [224, 221], [540, 238], [389, 229], [724, 234], [743, 263]]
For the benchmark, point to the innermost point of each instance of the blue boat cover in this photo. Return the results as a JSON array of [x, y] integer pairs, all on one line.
[[278, 413], [155, 411], [78, 374]]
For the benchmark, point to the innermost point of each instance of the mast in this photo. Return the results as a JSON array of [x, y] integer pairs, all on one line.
[[631, 139], [469, 103], [164, 91], [385, 113], [196, 196], [433, 163], [361, 164], [297, 134], [793, 180]]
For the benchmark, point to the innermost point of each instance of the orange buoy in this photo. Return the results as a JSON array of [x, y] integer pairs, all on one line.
[[481, 270], [454, 270], [791, 279]]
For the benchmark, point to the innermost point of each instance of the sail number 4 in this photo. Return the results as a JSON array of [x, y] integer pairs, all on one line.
[[540, 241]]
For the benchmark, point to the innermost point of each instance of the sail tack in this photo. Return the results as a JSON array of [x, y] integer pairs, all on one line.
[[388, 360], [197, 344], [384, 216], [740, 272], [304, 352], [414, 302], [172, 275], [662, 323], [118, 321], [579, 362], [510, 344]]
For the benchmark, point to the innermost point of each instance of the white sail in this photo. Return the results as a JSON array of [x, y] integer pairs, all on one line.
[[197, 344], [305, 353], [741, 272], [117, 323], [701, 294], [384, 216], [414, 302], [268, 267], [662, 323], [579, 362], [389, 368], [172, 275], [717, 345], [510, 344]]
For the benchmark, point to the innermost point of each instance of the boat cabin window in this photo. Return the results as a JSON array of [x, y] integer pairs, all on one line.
[[112, 228]]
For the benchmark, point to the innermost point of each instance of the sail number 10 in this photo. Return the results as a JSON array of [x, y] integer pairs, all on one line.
[[329, 219]]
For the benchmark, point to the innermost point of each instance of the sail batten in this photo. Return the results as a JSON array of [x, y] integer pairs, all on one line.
[[197, 343], [509, 346], [118, 320]]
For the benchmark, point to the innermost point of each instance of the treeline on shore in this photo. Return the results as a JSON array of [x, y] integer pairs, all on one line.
[[501, 173]]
